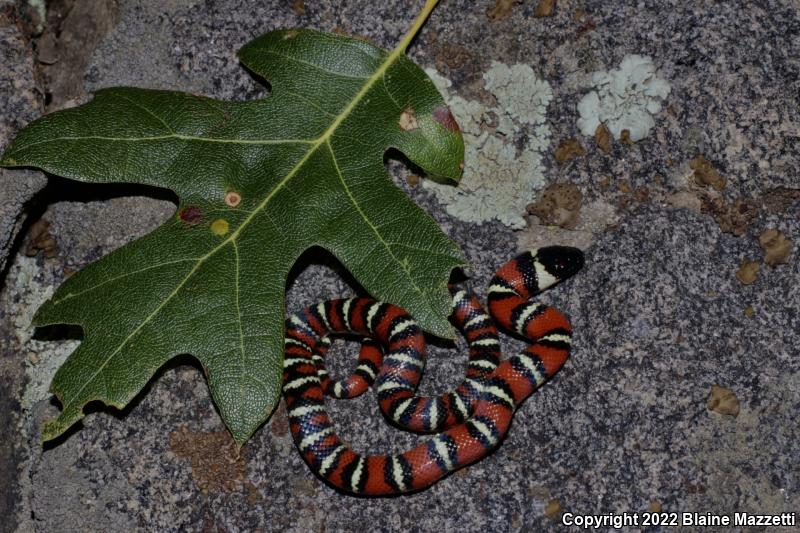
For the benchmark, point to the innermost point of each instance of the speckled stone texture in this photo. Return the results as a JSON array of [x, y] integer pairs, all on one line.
[[20, 102], [659, 315]]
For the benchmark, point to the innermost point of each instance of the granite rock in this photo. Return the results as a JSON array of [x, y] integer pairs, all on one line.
[[21, 102], [659, 315]]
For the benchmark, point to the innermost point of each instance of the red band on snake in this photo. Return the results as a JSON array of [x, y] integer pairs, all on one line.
[[470, 421]]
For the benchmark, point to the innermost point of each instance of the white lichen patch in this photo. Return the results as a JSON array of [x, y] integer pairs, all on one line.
[[624, 99], [503, 144], [42, 358]]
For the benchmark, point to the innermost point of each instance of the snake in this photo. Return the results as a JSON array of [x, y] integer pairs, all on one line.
[[466, 424]]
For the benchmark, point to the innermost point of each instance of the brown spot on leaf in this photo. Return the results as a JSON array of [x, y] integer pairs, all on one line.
[[216, 464], [501, 9], [220, 227], [568, 149], [191, 214], [232, 198], [776, 247], [706, 174], [408, 120], [748, 271], [412, 180], [290, 34], [544, 8], [723, 401], [40, 240], [445, 118]]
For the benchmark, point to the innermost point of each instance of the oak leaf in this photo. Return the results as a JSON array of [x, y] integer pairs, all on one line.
[[258, 183]]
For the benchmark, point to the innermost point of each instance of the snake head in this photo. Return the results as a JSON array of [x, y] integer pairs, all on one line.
[[560, 262]]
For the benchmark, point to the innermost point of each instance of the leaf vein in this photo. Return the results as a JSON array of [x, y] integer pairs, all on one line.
[[389, 93], [309, 102], [117, 278], [315, 144], [148, 111], [314, 66], [237, 290], [363, 215], [177, 136]]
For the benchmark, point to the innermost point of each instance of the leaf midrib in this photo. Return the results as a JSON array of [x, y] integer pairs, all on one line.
[[315, 145], [179, 136]]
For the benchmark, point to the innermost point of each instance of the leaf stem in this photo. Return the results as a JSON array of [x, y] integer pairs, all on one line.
[[421, 18]]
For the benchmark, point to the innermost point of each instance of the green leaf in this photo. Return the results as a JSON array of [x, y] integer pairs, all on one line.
[[307, 165]]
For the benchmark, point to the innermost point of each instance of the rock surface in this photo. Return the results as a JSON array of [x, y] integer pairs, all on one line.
[[658, 312], [21, 102]]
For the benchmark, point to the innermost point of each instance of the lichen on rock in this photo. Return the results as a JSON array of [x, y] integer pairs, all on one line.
[[776, 247], [723, 401], [559, 204], [504, 145], [624, 99], [42, 358], [748, 271]]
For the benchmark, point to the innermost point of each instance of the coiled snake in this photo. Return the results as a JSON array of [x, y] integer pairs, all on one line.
[[469, 422]]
